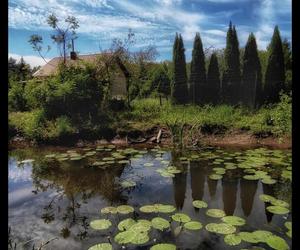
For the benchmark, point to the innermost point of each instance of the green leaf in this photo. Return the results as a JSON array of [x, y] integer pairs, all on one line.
[[124, 237], [234, 220], [109, 210], [261, 235], [215, 177], [266, 198], [220, 228], [232, 239], [181, 217], [140, 238], [288, 225], [280, 203], [163, 246], [199, 204], [160, 223], [165, 208], [193, 225], [148, 209], [249, 237], [278, 210], [125, 209], [101, 246], [217, 213], [126, 224], [277, 243], [128, 183], [100, 224]]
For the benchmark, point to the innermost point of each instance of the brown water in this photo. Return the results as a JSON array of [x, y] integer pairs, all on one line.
[[53, 200]]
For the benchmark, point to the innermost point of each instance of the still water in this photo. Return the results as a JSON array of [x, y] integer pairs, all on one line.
[[54, 199]]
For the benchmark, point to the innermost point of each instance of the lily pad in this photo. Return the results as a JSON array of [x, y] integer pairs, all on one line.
[[165, 208], [251, 177], [148, 209], [125, 209], [140, 227], [140, 238], [163, 246], [266, 198], [180, 217], [148, 164], [289, 233], [249, 237], [100, 224], [277, 243], [268, 181], [232, 239], [220, 228], [288, 225], [199, 204], [278, 210], [101, 246], [109, 210], [126, 224], [217, 213], [261, 235], [193, 225], [128, 183], [215, 177], [125, 237], [234, 220], [160, 223], [280, 203]]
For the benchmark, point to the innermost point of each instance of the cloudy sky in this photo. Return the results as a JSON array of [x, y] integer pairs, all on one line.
[[154, 22]]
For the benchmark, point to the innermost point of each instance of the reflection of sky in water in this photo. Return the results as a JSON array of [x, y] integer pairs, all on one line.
[[238, 197]]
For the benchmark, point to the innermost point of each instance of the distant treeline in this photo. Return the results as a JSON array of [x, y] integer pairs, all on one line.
[[240, 81]]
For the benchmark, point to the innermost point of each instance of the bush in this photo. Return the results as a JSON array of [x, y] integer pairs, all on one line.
[[58, 129], [16, 99]]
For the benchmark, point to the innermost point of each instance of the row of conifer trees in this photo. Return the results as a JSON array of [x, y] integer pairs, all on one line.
[[239, 83]]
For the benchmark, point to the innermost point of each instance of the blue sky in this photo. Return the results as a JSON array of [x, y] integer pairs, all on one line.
[[154, 22]]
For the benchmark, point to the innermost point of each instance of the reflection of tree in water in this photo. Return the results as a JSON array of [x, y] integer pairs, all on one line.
[[230, 187], [248, 190], [198, 173], [179, 181], [212, 187], [269, 190], [77, 184]]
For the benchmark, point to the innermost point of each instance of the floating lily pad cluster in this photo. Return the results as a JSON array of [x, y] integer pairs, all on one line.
[[277, 206], [169, 171]]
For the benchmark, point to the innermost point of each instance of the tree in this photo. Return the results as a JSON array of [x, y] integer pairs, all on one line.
[[231, 75], [198, 86], [161, 82], [62, 37], [287, 51], [213, 81], [179, 88], [251, 86], [275, 73]]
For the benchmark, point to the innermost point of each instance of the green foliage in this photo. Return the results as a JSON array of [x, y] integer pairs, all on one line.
[[160, 81], [198, 88], [180, 87], [231, 75], [275, 72], [251, 88], [16, 99], [213, 81]]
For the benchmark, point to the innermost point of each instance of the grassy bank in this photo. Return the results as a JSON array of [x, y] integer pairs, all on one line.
[[145, 113]]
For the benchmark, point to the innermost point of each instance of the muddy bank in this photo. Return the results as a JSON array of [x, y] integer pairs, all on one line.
[[147, 138]]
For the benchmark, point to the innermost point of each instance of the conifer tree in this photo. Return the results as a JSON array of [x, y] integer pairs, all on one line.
[[180, 88], [231, 75], [275, 73], [213, 80], [251, 85], [198, 74]]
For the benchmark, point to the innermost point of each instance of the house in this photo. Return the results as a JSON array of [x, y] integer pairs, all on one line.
[[118, 88]]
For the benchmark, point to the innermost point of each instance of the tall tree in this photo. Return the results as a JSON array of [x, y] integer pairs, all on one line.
[[287, 52], [198, 74], [231, 75], [213, 80], [180, 87], [251, 86], [275, 73]]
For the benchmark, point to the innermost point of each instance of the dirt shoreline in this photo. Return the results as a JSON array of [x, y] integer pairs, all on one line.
[[230, 139]]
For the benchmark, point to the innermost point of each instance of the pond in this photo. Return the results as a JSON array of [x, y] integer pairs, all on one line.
[[63, 198]]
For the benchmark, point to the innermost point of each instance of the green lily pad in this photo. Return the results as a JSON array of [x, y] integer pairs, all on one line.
[[100, 224], [277, 243], [217, 213], [123, 161], [268, 181], [161, 208], [289, 233], [128, 183], [251, 177], [230, 167], [163, 246], [126, 224], [160, 223], [278, 210], [261, 235], [266, 198], [166, 174], [101, 246], [125, 237], [199, 204], [249, 237], [193, 225], [215, 177], [220, 228], [109, 210], [140, 227], [148, 164], [234, 220], [232, 239], [288, 225], [174, 171], [180, 217], [146, 223], [125, 209], [148, 209], [140, 238], [280, 203]]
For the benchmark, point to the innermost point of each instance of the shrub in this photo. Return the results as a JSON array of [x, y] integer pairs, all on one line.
[[16, 99]]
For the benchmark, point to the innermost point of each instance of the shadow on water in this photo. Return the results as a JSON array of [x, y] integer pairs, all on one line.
[[229, 188], [248, 190], [198, 173]]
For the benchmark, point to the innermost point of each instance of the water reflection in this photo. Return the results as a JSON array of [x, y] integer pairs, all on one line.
[[269, 190], [230, 188], [248, 190]]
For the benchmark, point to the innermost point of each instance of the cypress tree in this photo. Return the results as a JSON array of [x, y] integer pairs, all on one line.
[[180, 88], [213, 80], [275, 73], [198, 74], [231, 76], [251, 86]]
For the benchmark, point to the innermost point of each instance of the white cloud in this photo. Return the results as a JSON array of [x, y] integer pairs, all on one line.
[[216, 32], [168, 2], [30, 59]]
